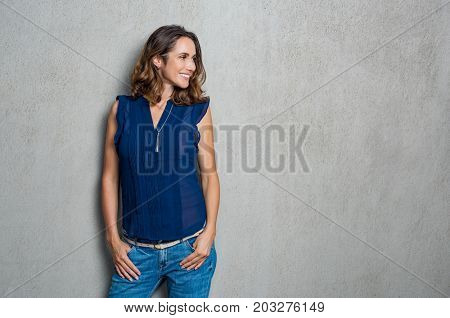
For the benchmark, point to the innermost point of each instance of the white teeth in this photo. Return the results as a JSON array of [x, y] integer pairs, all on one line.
[[185, 76]]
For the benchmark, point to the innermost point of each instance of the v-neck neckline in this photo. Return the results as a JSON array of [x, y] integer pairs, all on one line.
[[149, 113]]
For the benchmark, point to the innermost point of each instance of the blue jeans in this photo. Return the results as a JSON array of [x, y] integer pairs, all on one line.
[[157, 264]]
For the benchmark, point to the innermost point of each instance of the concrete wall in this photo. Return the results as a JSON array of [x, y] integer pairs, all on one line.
[[365, 213]]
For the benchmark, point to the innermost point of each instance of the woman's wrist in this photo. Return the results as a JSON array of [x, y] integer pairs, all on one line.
[[112, 238], [210, 231]]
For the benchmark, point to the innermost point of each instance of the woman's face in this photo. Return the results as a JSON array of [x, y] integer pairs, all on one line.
[[180, 63]]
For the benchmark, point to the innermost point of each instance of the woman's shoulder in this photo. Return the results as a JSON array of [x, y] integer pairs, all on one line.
[[124, 105], [127, 97], [125, 101], [199, 110]]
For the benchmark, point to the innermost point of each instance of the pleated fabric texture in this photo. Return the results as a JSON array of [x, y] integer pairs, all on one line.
[[161, 192]]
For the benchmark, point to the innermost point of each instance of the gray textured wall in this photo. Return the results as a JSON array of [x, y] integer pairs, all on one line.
[[370, 218]]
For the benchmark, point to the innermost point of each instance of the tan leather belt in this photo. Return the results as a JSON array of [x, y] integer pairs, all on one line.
[[162, 245]]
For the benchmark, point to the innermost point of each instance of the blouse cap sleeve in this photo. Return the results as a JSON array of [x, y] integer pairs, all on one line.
[[120, 117], [201, 111]]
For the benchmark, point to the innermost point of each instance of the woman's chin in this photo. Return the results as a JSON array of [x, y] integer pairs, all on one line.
[[183, 84]]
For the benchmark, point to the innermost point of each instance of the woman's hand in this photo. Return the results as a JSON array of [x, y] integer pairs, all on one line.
[[124, 266], [202, 246]]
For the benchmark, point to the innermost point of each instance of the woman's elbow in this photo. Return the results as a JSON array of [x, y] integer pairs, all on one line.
[[210, 179]]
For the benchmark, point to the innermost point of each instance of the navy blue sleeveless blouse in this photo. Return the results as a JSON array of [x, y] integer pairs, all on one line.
[[162, 197]]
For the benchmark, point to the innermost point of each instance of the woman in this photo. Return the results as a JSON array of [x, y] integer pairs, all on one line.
[[155, 138]]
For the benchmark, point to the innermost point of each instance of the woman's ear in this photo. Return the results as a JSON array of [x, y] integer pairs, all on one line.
[[157, 62]]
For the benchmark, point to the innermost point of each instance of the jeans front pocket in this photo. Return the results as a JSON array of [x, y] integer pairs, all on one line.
[[190, 243], [133, 247], [213, 259]]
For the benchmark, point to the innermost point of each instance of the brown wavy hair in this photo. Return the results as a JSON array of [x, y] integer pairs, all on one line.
[[145, 80]]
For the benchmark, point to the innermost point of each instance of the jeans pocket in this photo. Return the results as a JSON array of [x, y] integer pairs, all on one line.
[[213, 259], [190, 242], [133, 247]]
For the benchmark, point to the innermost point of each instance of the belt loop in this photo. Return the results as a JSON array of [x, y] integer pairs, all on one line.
[[135, 241]]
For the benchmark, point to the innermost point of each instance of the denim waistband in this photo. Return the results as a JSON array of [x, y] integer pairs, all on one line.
[[160, 242]]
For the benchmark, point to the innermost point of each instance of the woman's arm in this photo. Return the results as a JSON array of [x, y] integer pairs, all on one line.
[[110, 185], [211, 192], [110, 179], [209, 177]]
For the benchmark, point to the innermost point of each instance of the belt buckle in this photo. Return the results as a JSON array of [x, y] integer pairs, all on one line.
[[158, 246]]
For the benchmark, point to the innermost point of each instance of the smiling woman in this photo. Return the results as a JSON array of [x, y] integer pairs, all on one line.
[[170, 56], [155, 138]]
